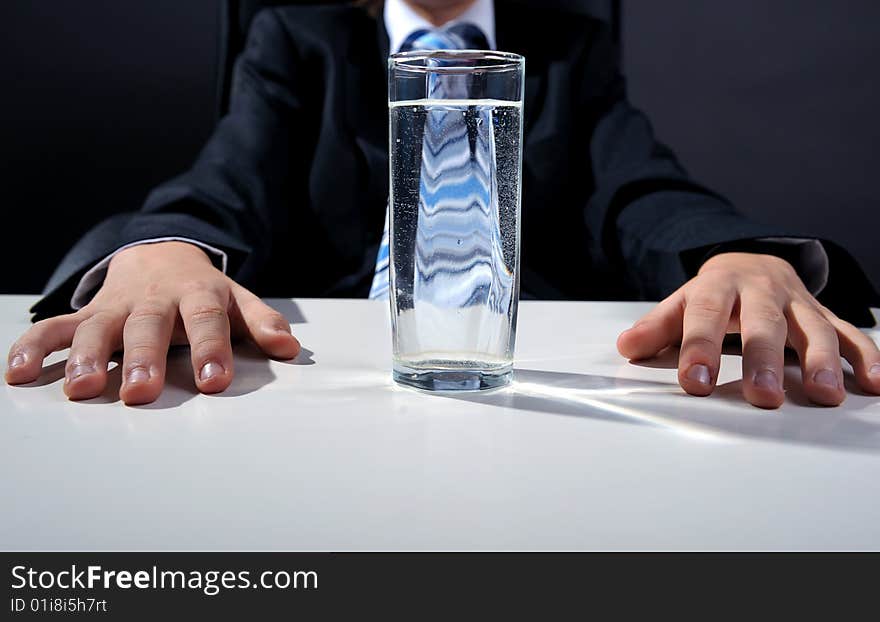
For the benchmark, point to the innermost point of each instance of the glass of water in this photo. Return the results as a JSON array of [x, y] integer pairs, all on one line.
[[456, 171]]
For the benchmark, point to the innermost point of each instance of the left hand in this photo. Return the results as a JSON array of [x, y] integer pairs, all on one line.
[[762, 298]]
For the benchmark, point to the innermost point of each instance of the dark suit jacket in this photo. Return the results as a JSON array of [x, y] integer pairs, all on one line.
[[293, 183]]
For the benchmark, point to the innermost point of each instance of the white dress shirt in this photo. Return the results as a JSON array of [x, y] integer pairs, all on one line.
[[400, 22]]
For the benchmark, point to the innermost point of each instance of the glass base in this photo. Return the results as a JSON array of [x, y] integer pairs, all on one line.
[[452, 379]]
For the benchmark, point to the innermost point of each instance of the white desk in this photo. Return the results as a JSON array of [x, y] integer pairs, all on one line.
[[585, 451]]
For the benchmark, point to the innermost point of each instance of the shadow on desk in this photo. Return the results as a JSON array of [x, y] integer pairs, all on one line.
[[252, 372], [723, 416], [288, 308]]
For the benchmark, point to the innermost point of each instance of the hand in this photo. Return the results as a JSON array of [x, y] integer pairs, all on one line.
[[762, 298], [153, 295]]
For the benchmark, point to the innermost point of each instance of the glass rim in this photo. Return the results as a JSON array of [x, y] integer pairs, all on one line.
[[406, 60]]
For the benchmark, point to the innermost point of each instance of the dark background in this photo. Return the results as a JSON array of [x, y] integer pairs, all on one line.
[[775, 104]]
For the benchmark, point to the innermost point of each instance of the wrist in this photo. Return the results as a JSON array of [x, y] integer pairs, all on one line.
[[740, 260], [150, 253]]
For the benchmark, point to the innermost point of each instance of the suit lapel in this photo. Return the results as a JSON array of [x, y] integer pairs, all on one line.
[[366, 119]]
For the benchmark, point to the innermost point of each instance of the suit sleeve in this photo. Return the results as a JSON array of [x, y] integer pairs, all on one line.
[[234, 195], [657, 223]]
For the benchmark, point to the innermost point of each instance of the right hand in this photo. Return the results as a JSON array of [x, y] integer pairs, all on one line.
[[153, 295]]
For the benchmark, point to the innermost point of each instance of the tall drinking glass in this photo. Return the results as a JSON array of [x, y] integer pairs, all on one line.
[[456, 170]]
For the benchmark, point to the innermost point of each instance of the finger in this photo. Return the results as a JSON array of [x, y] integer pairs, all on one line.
[[268, 328], [46, 336], [145, 340], [706, 316], [95, 339], [659, 328], [817, 345], [764, 331], [860, 350], [207, 327]]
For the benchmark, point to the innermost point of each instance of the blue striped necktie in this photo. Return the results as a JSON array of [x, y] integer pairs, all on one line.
[[461, 36]]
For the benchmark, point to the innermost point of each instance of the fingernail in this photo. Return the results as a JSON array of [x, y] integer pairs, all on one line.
[[209, 370], [875, 370], [767, 379], [137, 374], [699, 373], [826, 377], [18, 360], [80, 369]]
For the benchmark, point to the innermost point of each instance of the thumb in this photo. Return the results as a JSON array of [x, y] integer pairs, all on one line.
[[660, 328], [265, 326]]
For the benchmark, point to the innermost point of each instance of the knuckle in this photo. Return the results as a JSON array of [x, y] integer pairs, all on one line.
[[140, 353], [764, 283], [813, 322], [194, 285], [765, 314], [824, 351], [709, 304], [190, 286], [102, 319], [705, 308], [206, 344], [151, 311], [762, 350], [821, 332], [823, 344], [778, 262], [206, 314], [700, 342]]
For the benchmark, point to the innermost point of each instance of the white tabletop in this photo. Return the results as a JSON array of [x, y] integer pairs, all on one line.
[[584, 451]]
